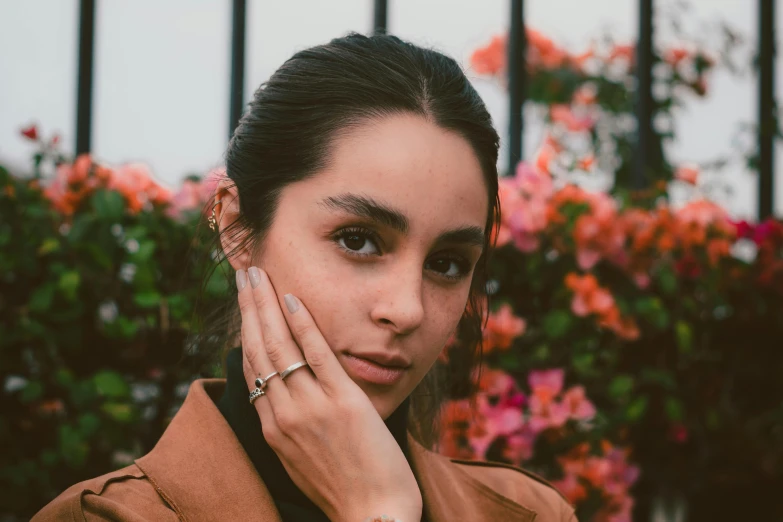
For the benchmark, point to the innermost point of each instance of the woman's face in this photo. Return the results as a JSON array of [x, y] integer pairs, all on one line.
[[380, 247]]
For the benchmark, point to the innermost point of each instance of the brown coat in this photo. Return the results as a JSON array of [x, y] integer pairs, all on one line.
[[199, 471]]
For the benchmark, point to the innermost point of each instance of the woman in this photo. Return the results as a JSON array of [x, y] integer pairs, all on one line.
[[360, 198]]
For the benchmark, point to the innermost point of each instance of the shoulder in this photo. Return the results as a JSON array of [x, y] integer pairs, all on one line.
[[521, 486], [125, 494]]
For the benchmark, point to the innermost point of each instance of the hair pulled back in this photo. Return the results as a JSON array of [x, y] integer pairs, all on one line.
[[286, 135]]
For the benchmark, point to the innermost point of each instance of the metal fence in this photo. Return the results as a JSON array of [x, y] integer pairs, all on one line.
[[766, 118]]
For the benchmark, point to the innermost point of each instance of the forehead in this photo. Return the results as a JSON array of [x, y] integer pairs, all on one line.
[[432, 175]]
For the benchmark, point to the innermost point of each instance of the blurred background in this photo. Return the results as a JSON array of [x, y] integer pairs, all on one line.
[[633, 353]]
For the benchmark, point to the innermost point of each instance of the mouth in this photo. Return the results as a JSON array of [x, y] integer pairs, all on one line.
[[370, 369]]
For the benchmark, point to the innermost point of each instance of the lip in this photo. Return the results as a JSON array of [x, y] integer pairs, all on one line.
[[392, 360], [372, 371]]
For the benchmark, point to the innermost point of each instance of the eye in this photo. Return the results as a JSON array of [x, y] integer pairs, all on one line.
[[450, 267], [357, 241]]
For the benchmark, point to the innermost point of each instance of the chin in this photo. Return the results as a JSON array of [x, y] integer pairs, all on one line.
[[385, 404]]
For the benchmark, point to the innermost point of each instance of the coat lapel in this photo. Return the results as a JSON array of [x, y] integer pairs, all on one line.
[[200, 469]]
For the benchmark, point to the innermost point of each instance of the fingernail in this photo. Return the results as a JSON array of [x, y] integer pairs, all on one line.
[[291, 303], [241, 279], [254, 275]]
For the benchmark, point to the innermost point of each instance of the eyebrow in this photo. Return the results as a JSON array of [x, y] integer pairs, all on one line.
[[368, 208]]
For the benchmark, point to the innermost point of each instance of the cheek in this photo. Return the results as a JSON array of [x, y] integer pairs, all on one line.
[[327, 289]]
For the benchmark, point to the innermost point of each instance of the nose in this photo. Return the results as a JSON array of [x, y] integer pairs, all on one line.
[[399, 303]]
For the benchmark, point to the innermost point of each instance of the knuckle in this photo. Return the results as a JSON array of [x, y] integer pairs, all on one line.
[[275, 350], [315, 359], [246, 305], [271, 434], [286, 422]]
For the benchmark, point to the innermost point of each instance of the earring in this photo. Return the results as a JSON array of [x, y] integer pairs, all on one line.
[[213, 218]]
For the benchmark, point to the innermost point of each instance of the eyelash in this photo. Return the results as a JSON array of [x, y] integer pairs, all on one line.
[[462, 263]]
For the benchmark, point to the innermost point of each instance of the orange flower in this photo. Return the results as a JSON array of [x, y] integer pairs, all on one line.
[[502, 328], [624, 52], [561, 113], [675, 55], [586, 163], [687, 173], [490, 59]]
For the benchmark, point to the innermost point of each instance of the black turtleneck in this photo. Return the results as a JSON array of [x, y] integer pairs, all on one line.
[[293, 505]]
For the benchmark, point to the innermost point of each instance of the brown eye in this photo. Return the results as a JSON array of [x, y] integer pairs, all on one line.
[[357, 242], [354, 242]]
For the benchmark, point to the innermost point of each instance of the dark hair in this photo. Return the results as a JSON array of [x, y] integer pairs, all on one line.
[[286, 134]]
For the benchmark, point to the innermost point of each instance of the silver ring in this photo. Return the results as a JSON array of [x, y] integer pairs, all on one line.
[[261, 383], [255, 394], [291, 368]]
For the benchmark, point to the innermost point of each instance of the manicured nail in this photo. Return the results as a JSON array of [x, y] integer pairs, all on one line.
[[255, 276], [241, 279], [291, 303]]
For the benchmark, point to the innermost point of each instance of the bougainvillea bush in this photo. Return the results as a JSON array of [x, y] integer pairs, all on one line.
[[100, 270], [629, 344], [635, 347]]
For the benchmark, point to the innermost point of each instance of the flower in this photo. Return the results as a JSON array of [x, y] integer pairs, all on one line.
[[502, 328], [579, 407], [687, 173], [545, 411], [564, 115], [490, 59], [31, 132]]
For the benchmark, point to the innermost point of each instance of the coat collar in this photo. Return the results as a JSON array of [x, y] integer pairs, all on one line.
[[200, 468]]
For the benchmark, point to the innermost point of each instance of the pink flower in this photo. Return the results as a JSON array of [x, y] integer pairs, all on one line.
[[579, 407], [519, 446], [546, 383], [502, 328], [564, 115], [545, 412]]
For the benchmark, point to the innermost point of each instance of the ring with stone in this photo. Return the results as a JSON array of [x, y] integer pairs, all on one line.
[[261, 383]]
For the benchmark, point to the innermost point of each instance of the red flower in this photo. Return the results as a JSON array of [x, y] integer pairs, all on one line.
[[31, 132]]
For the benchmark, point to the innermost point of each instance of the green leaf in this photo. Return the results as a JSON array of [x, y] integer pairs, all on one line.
[[146, 249], [667, 280], [621, 386], [69, 284], [636, 409], [89, 424], [557, 323], [111, 384], [684, 335], [147, 299], [120, 412], [510, 361], [64, 377], [32, 391], [50, 244], [583, 363], [73, 447], [674, 409], [41, 298], [108, 204]]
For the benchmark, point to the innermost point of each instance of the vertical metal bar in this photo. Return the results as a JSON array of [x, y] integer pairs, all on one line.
[[644, 100], [236, 103], [84, 80], [380, 17], [516, 47], [767, 116]]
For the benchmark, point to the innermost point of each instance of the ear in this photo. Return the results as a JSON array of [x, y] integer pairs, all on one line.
[[226, 214]]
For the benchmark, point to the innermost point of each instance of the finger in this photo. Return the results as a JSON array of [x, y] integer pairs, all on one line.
[[253, 349], [280, 345], [317, 352]]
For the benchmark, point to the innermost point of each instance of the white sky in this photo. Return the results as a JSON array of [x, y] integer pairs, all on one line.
[[162, 70]]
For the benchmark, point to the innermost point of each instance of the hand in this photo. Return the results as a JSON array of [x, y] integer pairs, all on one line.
[[322, 426]]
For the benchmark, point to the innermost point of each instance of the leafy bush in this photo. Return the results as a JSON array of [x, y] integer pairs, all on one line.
[[101, 269]]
